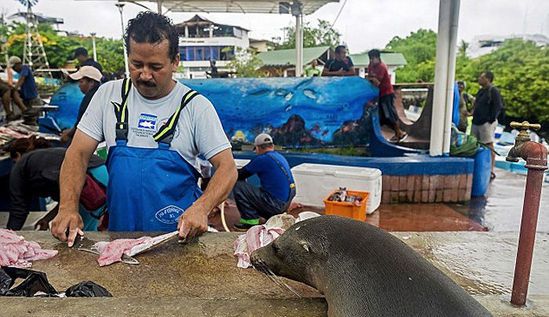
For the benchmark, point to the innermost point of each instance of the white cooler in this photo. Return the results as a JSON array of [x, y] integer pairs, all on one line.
[[314, 182]]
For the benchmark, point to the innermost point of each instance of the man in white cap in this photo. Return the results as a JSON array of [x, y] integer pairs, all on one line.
[[89, 80], [277, 185]]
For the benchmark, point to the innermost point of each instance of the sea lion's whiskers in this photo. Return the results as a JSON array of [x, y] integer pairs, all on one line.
[[277, 279]]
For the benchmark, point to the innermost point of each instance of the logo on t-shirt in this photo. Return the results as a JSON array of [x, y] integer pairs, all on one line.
[[147, 121], [169, 215]]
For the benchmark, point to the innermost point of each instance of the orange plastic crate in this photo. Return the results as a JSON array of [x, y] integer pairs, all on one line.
[[346, 209]]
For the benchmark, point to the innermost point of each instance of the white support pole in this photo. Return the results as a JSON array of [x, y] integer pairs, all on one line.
[[299, 45], [441, 72], [452, 50], [159, 6], [93, 46], [127, 68]]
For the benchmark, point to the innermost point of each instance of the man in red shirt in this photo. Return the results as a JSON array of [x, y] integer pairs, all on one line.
[[379, 76]]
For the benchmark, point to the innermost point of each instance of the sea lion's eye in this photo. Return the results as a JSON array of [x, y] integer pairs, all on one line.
[[276, 248]]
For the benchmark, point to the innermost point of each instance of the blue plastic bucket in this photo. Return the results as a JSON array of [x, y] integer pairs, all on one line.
[[482, 171]]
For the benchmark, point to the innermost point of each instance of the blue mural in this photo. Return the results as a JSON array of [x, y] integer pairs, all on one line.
[[297, 112]]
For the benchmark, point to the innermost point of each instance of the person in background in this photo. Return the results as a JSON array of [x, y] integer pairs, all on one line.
[[36, 174], [25, 86], [488, 104], [379, 77], [341, 65], [312, 70], [277, 185], [213, 70], [89, 80], [81, 54], [465, 105], [9, 94]]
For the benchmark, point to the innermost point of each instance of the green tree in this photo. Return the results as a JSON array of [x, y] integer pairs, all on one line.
[[59, 49], [419, 49], [246, 64], [110, 54], [521, 70], [320, 35]]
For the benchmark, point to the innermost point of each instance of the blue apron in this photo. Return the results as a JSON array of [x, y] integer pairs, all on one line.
[[149, 188]]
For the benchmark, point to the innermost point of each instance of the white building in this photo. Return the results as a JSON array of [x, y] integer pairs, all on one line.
[[485, 44], [202, 41]]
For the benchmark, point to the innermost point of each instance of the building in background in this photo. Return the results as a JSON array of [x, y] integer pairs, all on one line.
[[259, 46], [485, 44], [202, 41], [281, 63]]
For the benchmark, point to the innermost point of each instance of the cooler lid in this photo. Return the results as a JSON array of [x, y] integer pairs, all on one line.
[[337, 171]]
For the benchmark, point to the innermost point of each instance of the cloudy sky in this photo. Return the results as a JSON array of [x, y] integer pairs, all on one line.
[[364, 24]]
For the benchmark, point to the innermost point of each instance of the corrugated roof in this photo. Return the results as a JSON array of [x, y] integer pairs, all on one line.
[[362, 59], [287, 57], [239, 6]]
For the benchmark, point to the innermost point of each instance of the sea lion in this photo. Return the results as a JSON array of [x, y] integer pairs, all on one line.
[[363, 271]]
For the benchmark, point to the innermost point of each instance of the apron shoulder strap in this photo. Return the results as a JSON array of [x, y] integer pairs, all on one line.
[[166, 132], [121, 111]]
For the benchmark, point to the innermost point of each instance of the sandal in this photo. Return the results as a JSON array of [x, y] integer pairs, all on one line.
[[403, 137], [492, 176]]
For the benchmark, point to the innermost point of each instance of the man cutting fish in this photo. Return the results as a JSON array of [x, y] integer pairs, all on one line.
[[155, 128]]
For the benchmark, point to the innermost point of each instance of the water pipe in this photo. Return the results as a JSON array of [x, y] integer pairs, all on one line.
[[535, 155]]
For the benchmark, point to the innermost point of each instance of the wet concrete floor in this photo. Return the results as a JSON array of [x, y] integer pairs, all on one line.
[[500, 210]]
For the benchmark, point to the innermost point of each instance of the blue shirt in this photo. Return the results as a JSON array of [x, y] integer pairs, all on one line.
[[28, 89], [270, 173]]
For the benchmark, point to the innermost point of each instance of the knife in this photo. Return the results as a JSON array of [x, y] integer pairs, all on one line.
[[82, 243]]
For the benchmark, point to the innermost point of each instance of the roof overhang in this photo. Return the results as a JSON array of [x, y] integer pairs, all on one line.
[[237, 6]]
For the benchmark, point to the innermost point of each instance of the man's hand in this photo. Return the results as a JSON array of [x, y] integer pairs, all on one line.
[[193, 222], [67, 222], [374, 81], [65, 135]]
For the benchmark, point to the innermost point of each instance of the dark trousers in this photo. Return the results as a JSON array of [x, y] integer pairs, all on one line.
[[254, 202]]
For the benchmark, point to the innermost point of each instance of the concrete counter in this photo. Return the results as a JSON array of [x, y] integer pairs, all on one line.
[[201, 278]]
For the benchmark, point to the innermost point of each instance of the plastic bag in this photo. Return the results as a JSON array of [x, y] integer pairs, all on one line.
[[462, 144], [36, 284], [33, 283], [87, 289]]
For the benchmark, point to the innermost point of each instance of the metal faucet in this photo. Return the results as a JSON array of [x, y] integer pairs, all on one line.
[[521, 139], [535, 155]]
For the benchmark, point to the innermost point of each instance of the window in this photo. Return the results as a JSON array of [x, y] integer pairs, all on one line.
[[206, 53], [215, 52], [199, 54], [190, 53]]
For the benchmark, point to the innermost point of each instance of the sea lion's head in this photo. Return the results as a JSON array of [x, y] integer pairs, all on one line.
[[299, 254]]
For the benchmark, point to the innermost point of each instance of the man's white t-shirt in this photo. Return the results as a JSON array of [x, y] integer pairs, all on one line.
[[198, 132]]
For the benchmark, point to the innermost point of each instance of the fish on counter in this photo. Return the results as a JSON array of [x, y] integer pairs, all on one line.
[[115, 251], [16, 251]]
